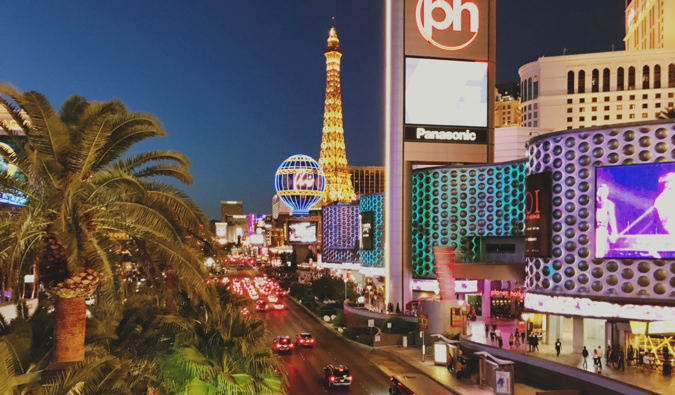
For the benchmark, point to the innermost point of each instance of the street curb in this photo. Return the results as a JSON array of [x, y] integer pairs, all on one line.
[[380, 350]]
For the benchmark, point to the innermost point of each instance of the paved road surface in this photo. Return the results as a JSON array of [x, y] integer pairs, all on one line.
[[305, 365]]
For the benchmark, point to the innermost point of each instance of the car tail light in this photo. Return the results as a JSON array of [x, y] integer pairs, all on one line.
[[349, 378], [332, 378], [291, 345], [311, 340], [277, 345], [302, 341]]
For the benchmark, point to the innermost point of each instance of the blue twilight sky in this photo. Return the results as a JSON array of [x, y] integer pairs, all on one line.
[[239, 85]]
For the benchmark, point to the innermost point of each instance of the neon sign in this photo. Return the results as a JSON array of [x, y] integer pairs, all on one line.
[[566, 305], [303, 180], [300, 183], [496, 293], [452, 17]]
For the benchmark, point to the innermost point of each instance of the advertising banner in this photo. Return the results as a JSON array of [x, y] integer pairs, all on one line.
[[502, 382], [455, 316], [366, 230], [538, 215], [423, 321]]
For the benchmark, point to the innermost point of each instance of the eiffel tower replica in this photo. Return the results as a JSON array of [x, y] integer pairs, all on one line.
[[333, 157]]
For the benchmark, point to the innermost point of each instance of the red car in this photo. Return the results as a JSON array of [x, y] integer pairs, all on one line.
[[304, 339], [279, 306], [261, 305], [282, 343]]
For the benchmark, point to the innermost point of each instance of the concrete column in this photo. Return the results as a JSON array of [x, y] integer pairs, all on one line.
[[577, 334], [485, 299], [554, 331]]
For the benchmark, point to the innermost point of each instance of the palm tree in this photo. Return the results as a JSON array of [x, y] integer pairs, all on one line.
[[667, 113], [81, 193]]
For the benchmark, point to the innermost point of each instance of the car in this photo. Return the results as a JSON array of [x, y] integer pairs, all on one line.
[[272, 298], [337, 375], [305, 339], [281, 292], [261, 305], [279, 306], [244, 311], [282, 343]]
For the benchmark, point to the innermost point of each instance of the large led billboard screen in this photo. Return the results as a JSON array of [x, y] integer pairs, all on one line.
[[538, 215], [302, 232], [446, 92], [635, 211]]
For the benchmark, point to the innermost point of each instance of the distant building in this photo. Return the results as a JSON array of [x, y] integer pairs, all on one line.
[[230, 207], [367, 179], [650, 24], [507, 106]]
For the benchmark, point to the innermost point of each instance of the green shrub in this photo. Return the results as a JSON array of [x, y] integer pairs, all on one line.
[[398, 326], [325, 310], [299, 290], [365, 339], [339, 320], [309, 298], [352, 332]]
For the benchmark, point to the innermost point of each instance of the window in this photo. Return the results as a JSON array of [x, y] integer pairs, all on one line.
[[671, 75], [606, 117], [606, 108], [645, 105], [582, 82], [631, 78], [632, 97], [529, 88], [619, 79], [631, 107], [645, 77], [582, 109], [658, 95], [594, 99], [631, 116], [569, 128], [529, 106], [605, 81], [644, 115], [582, 100], [569, 119], [569, 101], [570, 82], [658, 105], [595, 80], [535, 87], [594, 118], [535, 105], [569, 110], [606, 98], [645, 97], [594, 109], [524, 91], [582, 119], [619, 116], [670, 95], [670, 104], [619, 98], [535, 124], [657, 77], [619, 107]]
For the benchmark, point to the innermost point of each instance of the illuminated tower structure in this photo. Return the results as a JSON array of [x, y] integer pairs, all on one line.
[[333, 157]]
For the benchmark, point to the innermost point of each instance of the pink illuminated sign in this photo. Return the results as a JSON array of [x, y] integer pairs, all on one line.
[[452, 18], [565, 305]]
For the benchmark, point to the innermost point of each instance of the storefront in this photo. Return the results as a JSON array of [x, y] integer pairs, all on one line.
[[506, 299]]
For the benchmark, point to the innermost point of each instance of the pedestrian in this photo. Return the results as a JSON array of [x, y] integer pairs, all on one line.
[[492, 336], [536, 342], [621, 365], [558, 346], [584, 354], [498, 333], [522, 336], [487, 330], [511, 340], [501, 341], [597, 361], [516, 334], [450, 363], [600, 356]]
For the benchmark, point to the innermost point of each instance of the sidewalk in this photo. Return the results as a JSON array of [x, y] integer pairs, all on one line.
[[413, 357], [648, 379]]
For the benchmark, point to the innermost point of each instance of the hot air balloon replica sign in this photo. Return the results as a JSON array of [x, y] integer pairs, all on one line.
[[300, 183]]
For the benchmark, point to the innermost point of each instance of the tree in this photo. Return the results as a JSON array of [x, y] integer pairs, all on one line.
[[82, 195], [667, 113]]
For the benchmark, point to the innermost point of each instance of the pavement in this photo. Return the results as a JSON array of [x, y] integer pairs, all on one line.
[[652, 380]]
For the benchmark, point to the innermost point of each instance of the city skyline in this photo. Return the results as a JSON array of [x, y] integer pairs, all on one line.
[[239, 99]]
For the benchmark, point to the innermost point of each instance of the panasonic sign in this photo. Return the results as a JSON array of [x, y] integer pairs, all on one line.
[[449, 135]]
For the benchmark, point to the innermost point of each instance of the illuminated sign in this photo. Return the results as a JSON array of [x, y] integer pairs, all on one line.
[[466, 286], [456, 29], [661, 327], [256, 239], [496, 293], [452, 17], [455, 316], [300, 183], [423, 321], [302, 232], [565, 305], [638, 327], [366, 230], [13, 199], [538, 215], [438, 134]]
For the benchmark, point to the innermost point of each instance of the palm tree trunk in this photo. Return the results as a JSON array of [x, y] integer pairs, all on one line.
[[69, 329]]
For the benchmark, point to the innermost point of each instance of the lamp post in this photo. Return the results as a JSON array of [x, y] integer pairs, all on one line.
[[346, 287], [370, 305]]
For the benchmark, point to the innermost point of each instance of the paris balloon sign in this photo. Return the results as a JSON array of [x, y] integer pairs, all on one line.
[[300, 183]]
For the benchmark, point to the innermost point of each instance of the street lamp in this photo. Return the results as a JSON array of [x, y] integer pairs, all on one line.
[[370, 305]]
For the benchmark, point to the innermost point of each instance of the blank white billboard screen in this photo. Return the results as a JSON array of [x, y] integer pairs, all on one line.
[[446, 92]]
